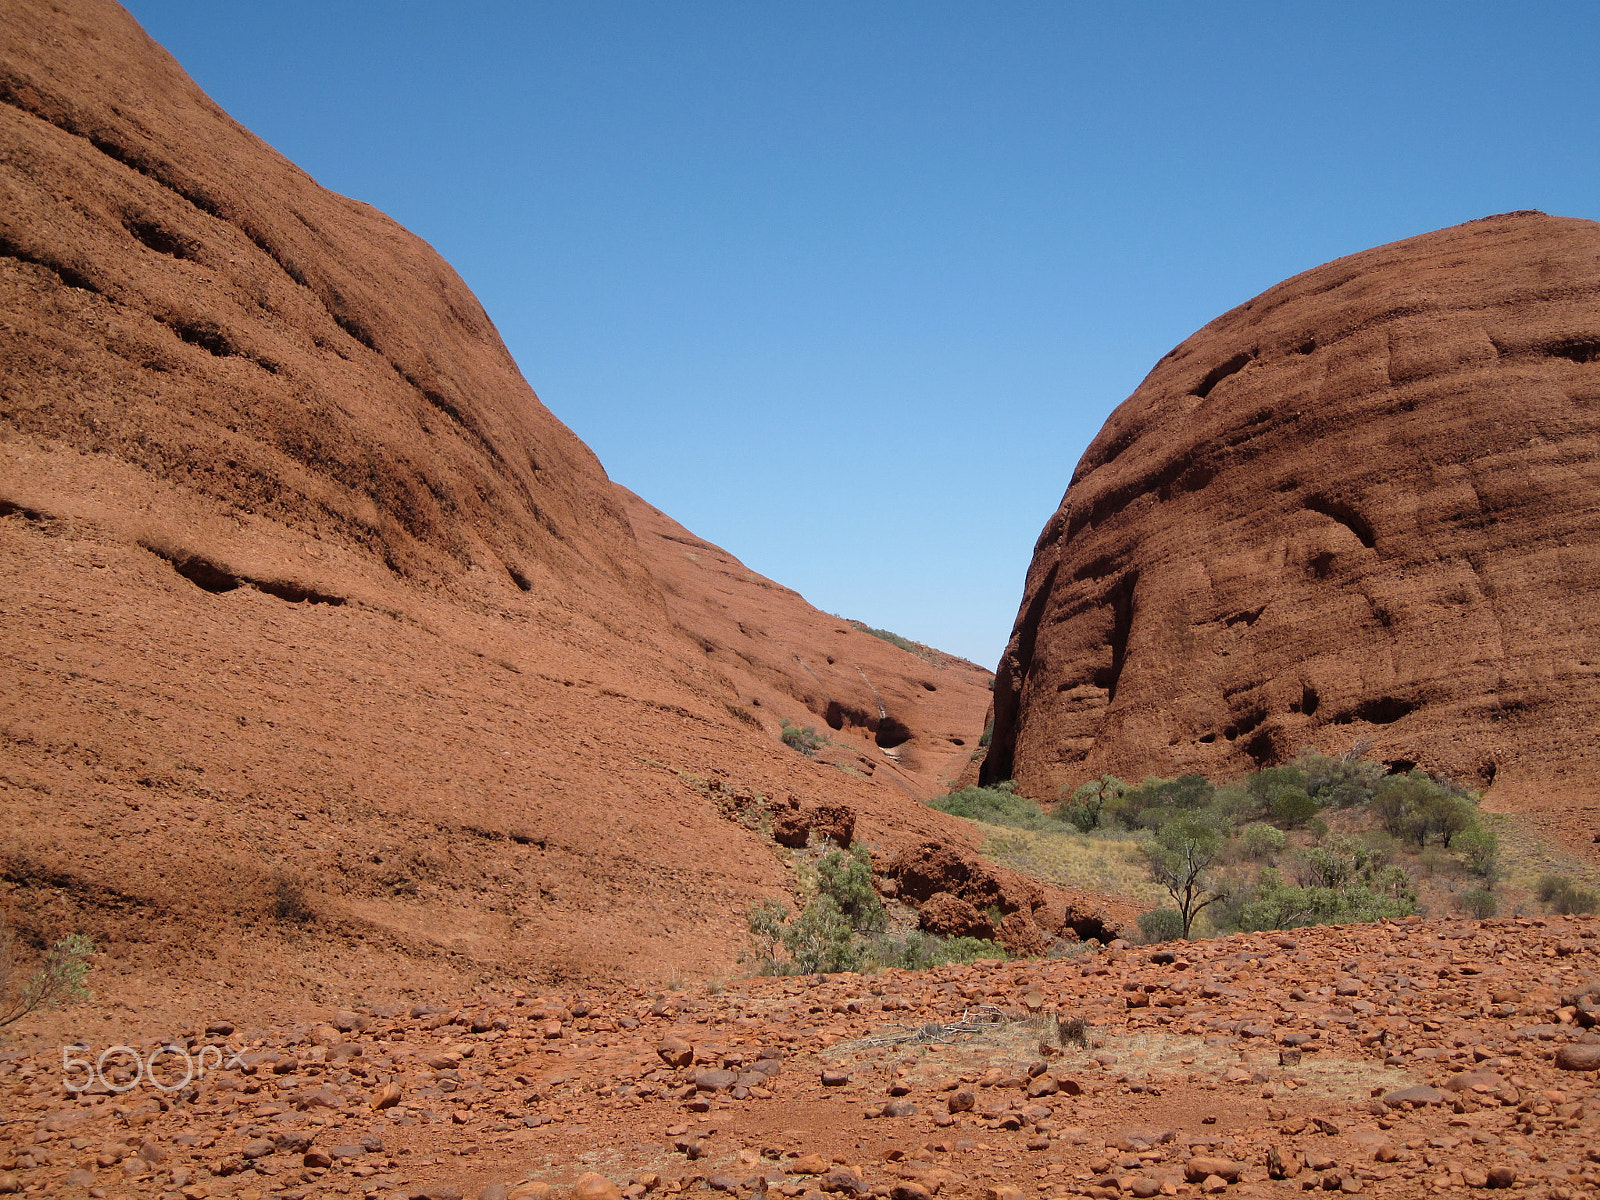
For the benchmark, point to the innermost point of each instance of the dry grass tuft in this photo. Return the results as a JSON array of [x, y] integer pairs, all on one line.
[[1094, 863]]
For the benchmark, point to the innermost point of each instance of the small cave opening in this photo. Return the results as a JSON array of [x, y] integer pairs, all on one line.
[[1262, 748], [929, 686], [891, 733], [160, 239], [1309, 700], [1309, 346], [1320, 564], [1338, 510], [521, 580], [1217, 374], [833, 715], [1207, 738], [1578, 350], [207, 336], [1385, 710], [1400, 766], [202, 572], [1091, 927], [955, 741]]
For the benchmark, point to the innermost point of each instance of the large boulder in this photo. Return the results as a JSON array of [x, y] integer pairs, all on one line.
[[1358, 508]]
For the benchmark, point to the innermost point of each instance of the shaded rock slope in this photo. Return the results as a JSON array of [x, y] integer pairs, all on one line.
[[328, 655], [1363, 506], [915, 716]]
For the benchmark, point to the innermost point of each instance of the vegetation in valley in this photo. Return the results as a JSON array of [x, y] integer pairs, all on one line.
[[1323, 839], [842, 925]]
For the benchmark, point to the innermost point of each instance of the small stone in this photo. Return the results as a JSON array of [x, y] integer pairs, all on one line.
[[80, 1178], [316, 1158], [259, 1148], [387, 1096], [593, 1186], [1500, 1177], [1202, 1167], [533, 1189], [675, 1052], [809, 1164], [835, 1078], [1002, 1192], [899, 1108], [1419, 1094], [1284, 1163], [1212, 1184], [1578, 1057], [961, 1101], [909, 1191]]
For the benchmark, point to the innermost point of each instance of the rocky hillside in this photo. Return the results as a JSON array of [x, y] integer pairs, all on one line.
[[331, 657], [1360, 507]]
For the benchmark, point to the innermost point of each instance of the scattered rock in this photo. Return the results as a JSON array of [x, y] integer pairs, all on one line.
[[1579, 1057], [594, 1186]]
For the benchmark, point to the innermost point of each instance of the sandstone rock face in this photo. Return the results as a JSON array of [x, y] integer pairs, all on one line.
[[330, 656], [914, 717], [1362, 506]]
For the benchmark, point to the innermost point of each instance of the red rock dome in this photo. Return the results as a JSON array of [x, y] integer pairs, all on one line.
[[1363, 506]]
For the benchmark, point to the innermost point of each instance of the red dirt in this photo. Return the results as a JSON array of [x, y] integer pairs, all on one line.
[[1388, 1061], [1360, 506]]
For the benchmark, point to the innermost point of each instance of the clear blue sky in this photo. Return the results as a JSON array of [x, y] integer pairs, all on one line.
[[847, 287]]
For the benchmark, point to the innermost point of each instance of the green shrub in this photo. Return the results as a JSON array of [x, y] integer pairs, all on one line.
[[846, 880], [917, 951], [57, 980], [826, 935], [1478, 903], [1293, 806], [1088, 802], [1420, 809], [1273, 904], [1261, 841], [821, 939], [997, 805], [1565, 896], [1160, 925], [766, 920], [1341, 782], [1157, 801], [1338, 860], [987, 735], [804, 739], [1481, 849]]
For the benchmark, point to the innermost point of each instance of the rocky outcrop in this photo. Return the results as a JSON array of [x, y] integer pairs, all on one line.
[[1358, 508]]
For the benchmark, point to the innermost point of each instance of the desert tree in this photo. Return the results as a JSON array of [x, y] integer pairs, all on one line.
[[1182, 858]]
